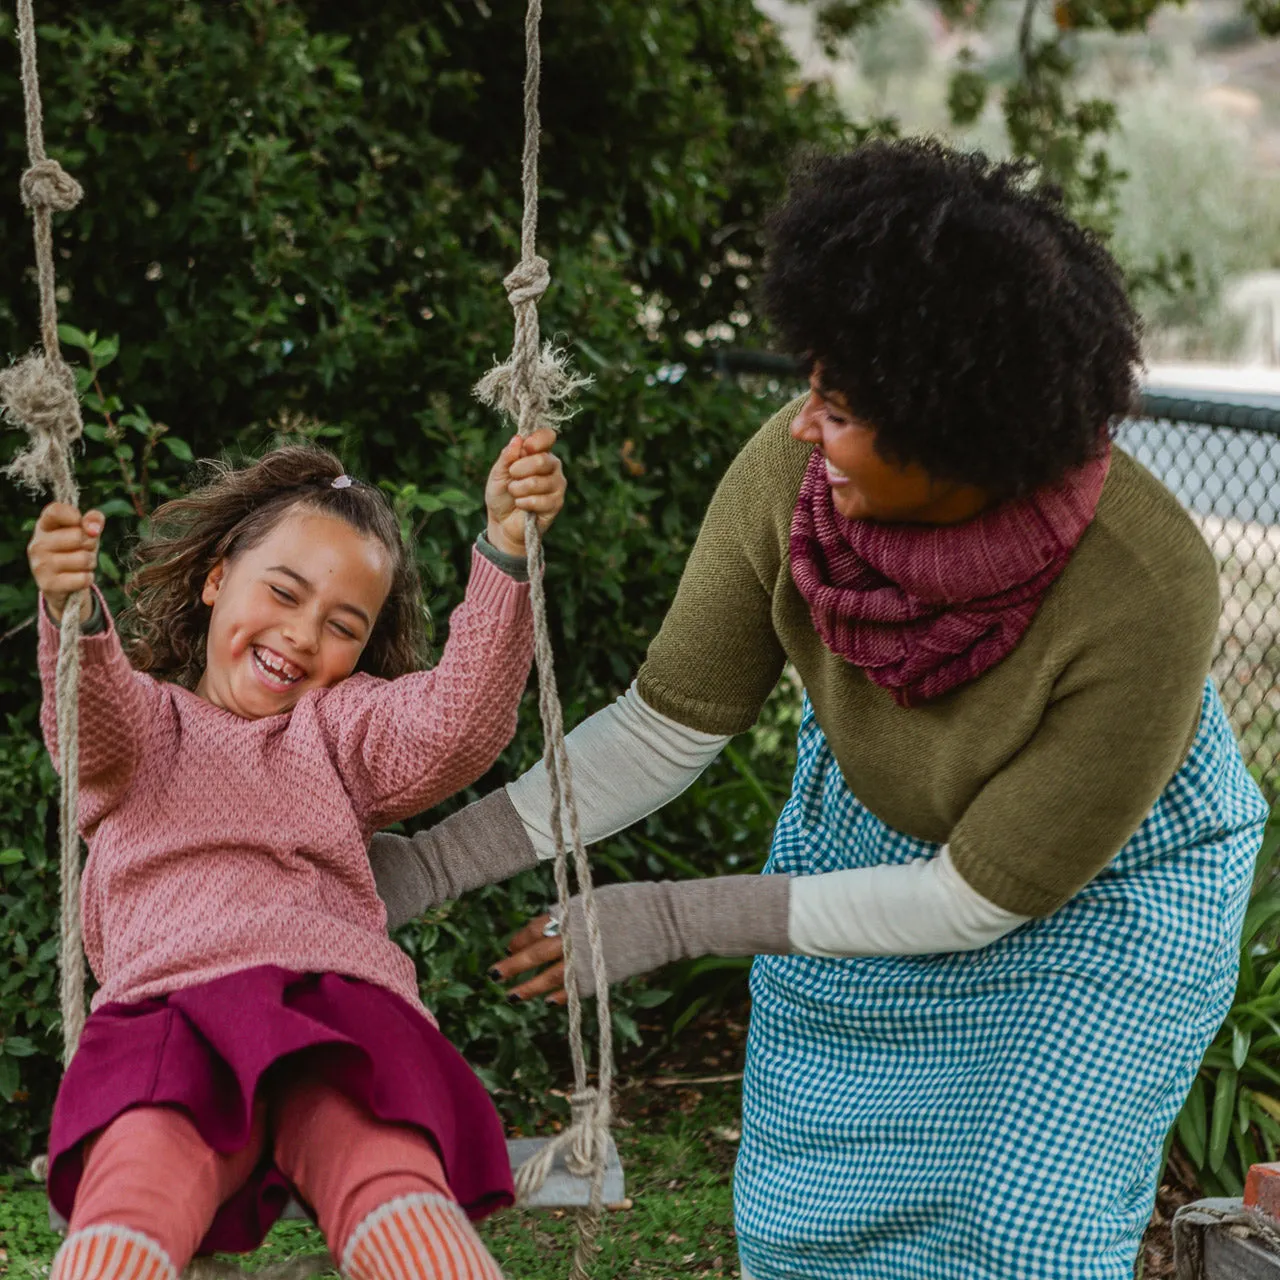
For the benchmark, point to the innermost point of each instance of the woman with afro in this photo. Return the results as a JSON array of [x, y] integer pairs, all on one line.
[[999, 922]]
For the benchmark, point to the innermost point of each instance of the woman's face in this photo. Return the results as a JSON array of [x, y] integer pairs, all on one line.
[[291, 614], [863, 485]]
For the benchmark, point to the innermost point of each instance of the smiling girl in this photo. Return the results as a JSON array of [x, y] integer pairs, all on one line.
[[255, 1033]]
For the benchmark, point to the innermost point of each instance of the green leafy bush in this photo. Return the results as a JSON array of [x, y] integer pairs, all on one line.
[[297, 222], [1231, 1118]]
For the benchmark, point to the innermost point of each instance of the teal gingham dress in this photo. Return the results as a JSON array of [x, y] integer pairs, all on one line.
[[996, 1114]]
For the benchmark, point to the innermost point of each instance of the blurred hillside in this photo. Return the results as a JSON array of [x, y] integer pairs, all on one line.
[[1196, 220]]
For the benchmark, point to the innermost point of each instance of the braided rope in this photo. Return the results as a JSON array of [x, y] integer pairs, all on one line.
[[534, 388], [39, 394]]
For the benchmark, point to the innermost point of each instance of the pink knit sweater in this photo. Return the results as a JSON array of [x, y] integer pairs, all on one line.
[[218, 843]]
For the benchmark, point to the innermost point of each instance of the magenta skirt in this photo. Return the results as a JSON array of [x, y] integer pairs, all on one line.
[[206, 1050]]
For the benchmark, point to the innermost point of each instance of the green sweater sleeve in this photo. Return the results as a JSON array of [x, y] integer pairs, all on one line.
[[717, 657], [1120, 721]]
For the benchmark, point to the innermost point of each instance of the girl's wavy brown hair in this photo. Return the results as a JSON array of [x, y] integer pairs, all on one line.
[[234, 510]]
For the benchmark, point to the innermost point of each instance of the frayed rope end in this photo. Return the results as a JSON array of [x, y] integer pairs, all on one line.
[[39, 395], [553, 386]]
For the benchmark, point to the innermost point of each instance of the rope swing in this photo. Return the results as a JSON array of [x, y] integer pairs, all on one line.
[[39, 394], [534, 388]]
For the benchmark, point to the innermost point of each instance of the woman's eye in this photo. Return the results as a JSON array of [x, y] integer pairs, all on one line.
[[281, 594]]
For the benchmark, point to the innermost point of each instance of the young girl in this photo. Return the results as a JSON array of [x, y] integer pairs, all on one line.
[[255, 1033]]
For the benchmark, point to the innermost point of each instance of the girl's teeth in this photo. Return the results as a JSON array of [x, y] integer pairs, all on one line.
[[272, 669]]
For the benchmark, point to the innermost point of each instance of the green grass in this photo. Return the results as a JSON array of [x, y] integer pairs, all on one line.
[[677, 1147]]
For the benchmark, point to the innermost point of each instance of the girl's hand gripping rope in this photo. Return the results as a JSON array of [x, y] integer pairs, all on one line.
[[63, 553], [526, 477]]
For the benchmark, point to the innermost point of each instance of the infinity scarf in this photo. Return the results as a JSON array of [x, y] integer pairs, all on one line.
[[923, 608]]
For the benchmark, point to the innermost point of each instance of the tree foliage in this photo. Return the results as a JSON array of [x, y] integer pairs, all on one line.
[[297, 223], [1047, 118]]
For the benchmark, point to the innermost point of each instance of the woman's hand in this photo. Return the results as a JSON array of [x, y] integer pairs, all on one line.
[[527, 477], [63, 553], [529, 949]]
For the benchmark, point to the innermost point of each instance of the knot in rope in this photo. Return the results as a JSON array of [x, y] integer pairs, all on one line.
[[39, 393], [47, 185], [528, 282], [534, 395], [591, 1131]]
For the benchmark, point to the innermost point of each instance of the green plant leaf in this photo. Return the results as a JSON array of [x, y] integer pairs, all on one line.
[[1191, 1124], [70, 336], [1240, 1042], [178, 447], [105, 351], [1224, 1102], [10, 1077]]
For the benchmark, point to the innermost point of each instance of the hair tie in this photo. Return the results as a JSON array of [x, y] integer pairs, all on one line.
[[341, 482]]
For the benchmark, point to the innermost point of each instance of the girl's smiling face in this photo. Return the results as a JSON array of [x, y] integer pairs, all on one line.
[[291, 614]]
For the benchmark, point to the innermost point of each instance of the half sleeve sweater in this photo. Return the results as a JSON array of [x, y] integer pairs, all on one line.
[[1037, 772], [218, 843]]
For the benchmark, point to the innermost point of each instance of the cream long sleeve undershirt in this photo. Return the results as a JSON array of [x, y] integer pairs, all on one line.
[[629, 760]]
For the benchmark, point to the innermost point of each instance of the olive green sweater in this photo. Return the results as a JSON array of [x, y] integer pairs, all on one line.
[[1037, 772]]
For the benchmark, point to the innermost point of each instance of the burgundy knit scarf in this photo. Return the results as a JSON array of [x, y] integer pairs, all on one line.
[[925, 608]]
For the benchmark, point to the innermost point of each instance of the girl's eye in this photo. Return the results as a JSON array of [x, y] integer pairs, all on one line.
[[281, 594], [343, 631]]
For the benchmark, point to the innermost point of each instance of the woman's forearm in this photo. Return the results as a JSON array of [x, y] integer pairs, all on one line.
[[916, 908], [921, 908], [627, 761]]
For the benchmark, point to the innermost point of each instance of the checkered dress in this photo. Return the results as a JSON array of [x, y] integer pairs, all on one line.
[[997, 1113]]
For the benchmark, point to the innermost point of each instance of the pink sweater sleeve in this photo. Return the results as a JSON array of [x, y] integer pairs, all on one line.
[[404, 745], [115, 703]]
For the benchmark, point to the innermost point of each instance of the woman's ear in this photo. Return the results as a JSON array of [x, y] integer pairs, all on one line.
[[213, 583]]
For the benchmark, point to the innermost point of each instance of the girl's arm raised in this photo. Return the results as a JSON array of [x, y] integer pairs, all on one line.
[[114, 709], [113, 698], [404, 745]]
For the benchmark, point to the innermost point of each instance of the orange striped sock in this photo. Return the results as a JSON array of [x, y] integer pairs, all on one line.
[[418, 1237], [111, 1253]]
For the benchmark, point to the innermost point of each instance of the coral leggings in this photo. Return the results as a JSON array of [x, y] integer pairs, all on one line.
[[150, 1170]]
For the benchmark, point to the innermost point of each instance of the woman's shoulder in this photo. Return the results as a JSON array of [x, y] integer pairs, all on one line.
[[773, 454], [1145, 527], [760, 487], [1143, 554]]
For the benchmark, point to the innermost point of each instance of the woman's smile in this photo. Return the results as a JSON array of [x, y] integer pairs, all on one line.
[[836, 477]]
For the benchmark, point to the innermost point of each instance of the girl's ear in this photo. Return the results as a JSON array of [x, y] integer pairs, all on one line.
[[213, 583]]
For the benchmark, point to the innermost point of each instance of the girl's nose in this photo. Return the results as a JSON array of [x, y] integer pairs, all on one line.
[[304, 634]]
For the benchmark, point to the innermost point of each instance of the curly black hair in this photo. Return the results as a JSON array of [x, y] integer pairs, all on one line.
[[982, 333]]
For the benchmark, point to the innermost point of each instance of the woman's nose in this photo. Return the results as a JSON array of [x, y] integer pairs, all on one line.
[[805, 424]]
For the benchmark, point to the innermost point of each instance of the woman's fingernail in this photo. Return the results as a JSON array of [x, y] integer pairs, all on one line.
[[495, 973], [513, 998]]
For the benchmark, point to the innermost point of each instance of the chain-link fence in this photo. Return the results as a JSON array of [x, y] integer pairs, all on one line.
[[1222, 460], [1221, 457]]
